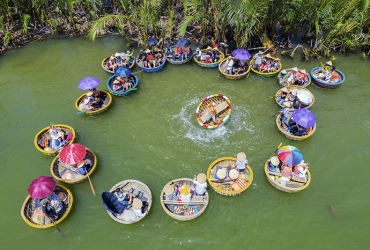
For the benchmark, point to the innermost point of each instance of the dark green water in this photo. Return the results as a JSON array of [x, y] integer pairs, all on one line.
[[152, 136]]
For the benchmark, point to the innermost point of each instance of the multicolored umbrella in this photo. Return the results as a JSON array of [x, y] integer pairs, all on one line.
[[241, 54], [72, 154], [122, 71], [290, 155], [304, 118], [89, 82], [41, 187]]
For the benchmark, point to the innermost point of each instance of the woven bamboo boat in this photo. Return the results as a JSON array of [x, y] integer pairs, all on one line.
[[121, 93], [290, 135], [33, 214], [43, 134], [179, 62], [107, 103], [180, 210], [155, 69], [266, 74], [294, 186], [141, 191], [222, 67], [309, 105], [326, 84], [103, 64], [227, 186], [223, 110], [68, 174], [282, 78], [209, 65]]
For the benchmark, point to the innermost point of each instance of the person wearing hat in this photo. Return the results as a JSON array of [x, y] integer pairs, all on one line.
[[273, 164], [286, 112], [124, 199], [142, 59], [211, 112], [283, 94], [151, 59], [185, 193], [129, 57], [221, 174], [301, 169], [84, 166], [241, 162], [200, 184], [137, 205], [229, 65], [258, 60]]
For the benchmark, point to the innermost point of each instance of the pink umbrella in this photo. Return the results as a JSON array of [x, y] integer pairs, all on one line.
[[41, 187], [72, 154]]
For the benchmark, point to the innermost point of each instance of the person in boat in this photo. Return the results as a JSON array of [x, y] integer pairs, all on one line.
[[142, 59], [273, 164], [168, 46], [124, 198], [200, 184], [258, 60], [215, 54], [229, 65], [275, 65], [158, 57], [297, 104], [292, 94], [335, 77], [56, 135], [212, 111], [241, 162], [176, 55], [297, 130], [129, 57], [151, 59], [137, 207], [198, 54], [300, 170], [283, 95], [84, 167], [185, 193], [286, 111], [301, 77], [53, 207], [111, 63], [170, 192]]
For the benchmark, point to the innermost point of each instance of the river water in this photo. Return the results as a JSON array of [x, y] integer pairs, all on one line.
[[152, 136]]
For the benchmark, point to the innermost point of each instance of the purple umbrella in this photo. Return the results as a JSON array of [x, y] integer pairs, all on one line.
[[304, 117], [241, 54], [89, 82], [41, 187]]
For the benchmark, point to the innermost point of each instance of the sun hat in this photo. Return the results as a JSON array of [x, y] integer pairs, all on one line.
[[128, 52], [275, 161], [234, 174], [147, 51], [221, 173], [277, 59], [137, 204], [201, 178], [185, 190], [260, 52], [85, 101], [284, 90], [241, 157], [116, 54], [283, 71], [303, 71], [141, 50], [295, 69], [287, 104], [89, 93], [329, 63], [294, 91], [209, 47], [168, 189]]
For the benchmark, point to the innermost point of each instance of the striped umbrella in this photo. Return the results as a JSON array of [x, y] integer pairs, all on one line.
[[290, 155]]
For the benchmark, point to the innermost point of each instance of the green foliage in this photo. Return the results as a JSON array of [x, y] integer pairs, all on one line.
[[25, 22]]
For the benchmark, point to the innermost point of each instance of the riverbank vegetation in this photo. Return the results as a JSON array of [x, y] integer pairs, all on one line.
[[324, 25]]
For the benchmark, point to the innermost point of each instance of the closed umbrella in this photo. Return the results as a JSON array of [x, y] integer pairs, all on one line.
[[304, 118], [72, 154], [89, 82], [41, 187], [111, 203]]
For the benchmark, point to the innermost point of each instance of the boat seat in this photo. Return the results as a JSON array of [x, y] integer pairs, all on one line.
[[221, 107], [204, 117]]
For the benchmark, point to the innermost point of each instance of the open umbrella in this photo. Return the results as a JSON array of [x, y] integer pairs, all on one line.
[[304, 118], [290, 155], [304, 96], [182, 42], [122, 71], [111, 203], [241, 54], [152, 41], [41, 187], [89, 82], [72, 154]]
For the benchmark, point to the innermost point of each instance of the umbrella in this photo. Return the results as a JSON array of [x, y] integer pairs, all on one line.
[[241, 54], [111, 203], [41, 187], [304, 117], [72, 154], [290, 155], [122, 71], [152, 41], [182, 42], [304, 96], [89, 82]]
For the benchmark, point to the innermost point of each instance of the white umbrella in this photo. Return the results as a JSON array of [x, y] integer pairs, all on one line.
[[304, 96]]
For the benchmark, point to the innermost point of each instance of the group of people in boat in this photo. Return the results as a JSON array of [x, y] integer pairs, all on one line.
[[54, 139], [93, 100], [209, 56], [289, 98], [328, 73], [123, 84], [132, 200], [288, 124], [265, 64], [293, 77], [150, 58], [234, 66], [178, 53], [119, 59]]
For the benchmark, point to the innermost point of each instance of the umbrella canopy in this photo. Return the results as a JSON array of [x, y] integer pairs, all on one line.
[[290, 155], [304, 118], [304, 96], [122, 71], [182, 42], [41, 187], [241, 54], [152, 41], [89, 82], [72, 154], [111, 203]]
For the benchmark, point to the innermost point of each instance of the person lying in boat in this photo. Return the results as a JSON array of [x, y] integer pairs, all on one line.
[[200, 184], [53, 207]]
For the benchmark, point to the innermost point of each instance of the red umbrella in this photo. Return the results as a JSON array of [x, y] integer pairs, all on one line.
[[41, 187], [72, 154]]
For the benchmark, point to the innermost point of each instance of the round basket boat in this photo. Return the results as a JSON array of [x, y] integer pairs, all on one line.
[[290, 135], [326, 84], [223, 107], [222, 69], [110, 71], [33, 214], [228, 186], [283, 78], [155, 69], [304, 105], [131, 88], [44, 137], [267, 74], [183, 210], [70, 175], [209, 65], [293, 186], [179, 62], [140, 192], [106, 103]]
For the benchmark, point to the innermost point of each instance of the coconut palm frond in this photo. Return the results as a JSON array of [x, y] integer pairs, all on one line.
[[98, 25]]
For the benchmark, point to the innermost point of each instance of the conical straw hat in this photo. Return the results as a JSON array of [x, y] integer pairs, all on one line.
[[241, 157], [201, 178]]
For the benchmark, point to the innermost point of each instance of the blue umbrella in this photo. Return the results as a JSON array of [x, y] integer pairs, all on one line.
[[89, 82], [152, 41], [111, 203], [182, 42], [304, 117], [241, 54], [122, 71]]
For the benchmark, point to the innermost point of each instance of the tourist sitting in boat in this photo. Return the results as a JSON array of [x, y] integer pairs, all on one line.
[[57, 138], [129, 57], [185, 194], [215, 55], [241, 162], [138, 206], [171, 192], [212, 112], [168, 46], [198, 54], [302, 78], [229, 65], [185, 53], [300, 170], [258, 60], [176, 55], [297, 130], [151, 59], [124, 198], [84, 166], [286, 112], [297, 104], [158, 58], [85, 105], [111, 63], [53, 207], [274, 164], [142, 59], [200, 184], [283, 95]]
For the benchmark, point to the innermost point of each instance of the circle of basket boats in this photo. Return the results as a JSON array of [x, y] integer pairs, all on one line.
[[135, 187], [223, 110], [266, 74], [111, 71], [282, 81], [222, 69], [107, 103], [43, 134], [33, 214], [290, 135], [180, 210], [228, 186], [179, 62], [326, 84], [209, 65], [155, 69], [295, 186], [297, 88], [69, 174], [121, 93]]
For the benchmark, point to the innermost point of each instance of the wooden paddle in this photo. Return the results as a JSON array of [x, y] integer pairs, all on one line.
[[60, 231], [91, 185], [276, 149]]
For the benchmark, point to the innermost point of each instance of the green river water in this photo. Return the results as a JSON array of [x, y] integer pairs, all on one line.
[[152, 136]]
